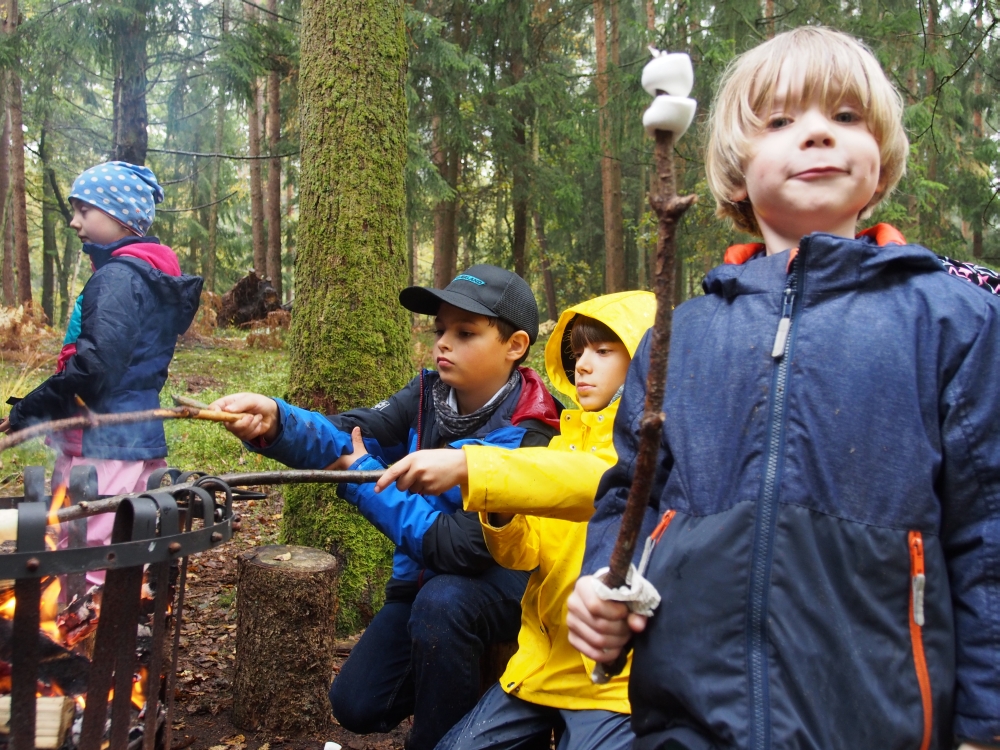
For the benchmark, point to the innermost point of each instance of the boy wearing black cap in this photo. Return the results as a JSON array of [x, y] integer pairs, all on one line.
[[447, 599]]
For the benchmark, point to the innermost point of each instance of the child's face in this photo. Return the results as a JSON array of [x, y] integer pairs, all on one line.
[[93, 225], [468, 351], [813, 167], [600, 372]]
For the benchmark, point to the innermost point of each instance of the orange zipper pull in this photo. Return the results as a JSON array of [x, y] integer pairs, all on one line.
[[654, 538], [918, 579]]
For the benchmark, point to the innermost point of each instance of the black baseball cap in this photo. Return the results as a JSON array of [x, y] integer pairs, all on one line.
[[482, 289]]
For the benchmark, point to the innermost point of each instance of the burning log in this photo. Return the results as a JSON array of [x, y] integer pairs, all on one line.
[[287, 601], [57, 665], [53, 718], [80, 618]]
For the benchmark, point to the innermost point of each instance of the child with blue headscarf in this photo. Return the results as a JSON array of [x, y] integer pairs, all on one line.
[[121, 337]]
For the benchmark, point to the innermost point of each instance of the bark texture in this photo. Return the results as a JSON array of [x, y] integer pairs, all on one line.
[[212, 246], [445, 212], [128, 37], [254, 110], [284, 639], [50, 252], [611, 170], [7, 269], [273, 207], [350, 339], [22, 258]]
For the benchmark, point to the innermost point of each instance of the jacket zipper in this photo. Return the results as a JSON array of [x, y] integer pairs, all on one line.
[[760, 564], [917, 583], [653, 539]]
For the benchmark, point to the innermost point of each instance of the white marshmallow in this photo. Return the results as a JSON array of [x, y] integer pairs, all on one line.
[[671, 72], [8, 525], [672, 113]]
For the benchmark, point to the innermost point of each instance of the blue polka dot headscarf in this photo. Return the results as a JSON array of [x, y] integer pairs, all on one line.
[[125, 192]]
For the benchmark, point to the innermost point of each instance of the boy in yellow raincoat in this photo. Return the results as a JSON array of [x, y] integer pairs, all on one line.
[[534, 507]]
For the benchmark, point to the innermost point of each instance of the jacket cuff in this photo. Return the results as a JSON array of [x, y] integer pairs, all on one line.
[[974, 729], [510, 545], [350, 491], [15, 419], [509, 533], [480, 466]]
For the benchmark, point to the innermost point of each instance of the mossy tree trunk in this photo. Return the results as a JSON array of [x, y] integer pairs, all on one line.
[[350, 339]]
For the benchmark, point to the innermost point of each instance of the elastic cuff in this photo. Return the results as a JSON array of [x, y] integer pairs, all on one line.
[[985, 731], [349, 490]]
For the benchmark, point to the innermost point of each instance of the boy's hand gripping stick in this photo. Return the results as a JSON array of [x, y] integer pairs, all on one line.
[[669, 78]]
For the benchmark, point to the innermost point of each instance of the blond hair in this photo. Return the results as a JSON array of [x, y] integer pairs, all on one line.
[[835, 67]]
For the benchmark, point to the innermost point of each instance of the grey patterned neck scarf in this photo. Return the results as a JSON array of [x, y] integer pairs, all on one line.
[[618, 395], [454, 425]]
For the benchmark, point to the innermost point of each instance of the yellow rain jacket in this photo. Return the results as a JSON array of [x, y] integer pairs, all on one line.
[[554, 497]]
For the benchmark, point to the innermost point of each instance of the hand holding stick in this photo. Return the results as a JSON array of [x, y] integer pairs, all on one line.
[[669, 208]]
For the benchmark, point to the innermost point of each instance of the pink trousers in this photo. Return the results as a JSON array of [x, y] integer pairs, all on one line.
[[113, 478]]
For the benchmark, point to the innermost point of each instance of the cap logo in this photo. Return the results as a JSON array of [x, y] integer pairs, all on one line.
[[473, 279]]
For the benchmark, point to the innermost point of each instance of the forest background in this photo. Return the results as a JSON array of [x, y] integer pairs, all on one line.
[[524, 145], [422, 137]]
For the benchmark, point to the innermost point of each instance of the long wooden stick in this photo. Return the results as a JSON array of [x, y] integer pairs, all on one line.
[[669, 207], [101, 420], [243, 479]]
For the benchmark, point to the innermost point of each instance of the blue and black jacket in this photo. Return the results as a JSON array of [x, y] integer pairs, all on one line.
[[432, 533], [831, 454], [131, 315]]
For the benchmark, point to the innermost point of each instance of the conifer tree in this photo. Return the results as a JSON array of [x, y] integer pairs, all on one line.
[[350, 337]]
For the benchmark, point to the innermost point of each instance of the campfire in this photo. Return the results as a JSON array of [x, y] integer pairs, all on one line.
[[83, 665]]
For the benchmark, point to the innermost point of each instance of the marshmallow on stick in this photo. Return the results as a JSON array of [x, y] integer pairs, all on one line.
[[669, 77], [8, 525]]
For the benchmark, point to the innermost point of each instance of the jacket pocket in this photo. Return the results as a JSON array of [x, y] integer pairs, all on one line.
[[917, 584]]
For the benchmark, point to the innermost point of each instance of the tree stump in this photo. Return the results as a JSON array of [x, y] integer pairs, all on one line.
[[286, 608]]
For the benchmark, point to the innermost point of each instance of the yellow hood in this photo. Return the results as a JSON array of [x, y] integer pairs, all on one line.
[[628, 314]]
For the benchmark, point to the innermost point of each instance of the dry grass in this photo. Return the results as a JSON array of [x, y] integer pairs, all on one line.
[[23, 337]]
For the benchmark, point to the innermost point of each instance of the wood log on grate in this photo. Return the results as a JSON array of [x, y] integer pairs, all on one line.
[[53, 716], [286, 605]]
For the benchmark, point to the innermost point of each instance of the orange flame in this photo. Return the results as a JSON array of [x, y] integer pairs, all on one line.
[[49, 609], [139, 683], [58, 501]]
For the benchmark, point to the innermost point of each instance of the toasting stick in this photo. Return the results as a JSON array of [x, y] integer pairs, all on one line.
[[90, 419], [669, 78]]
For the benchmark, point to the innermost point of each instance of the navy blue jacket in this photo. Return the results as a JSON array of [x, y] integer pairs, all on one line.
[[432, 533], [831, 578], [132, 315]]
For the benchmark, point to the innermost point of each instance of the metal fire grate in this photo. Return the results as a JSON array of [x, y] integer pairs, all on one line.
[[159, 528]]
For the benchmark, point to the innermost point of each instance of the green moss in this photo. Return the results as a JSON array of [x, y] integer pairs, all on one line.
[[350, 338]]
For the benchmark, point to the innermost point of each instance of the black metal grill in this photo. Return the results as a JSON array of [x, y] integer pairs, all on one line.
[[158, 529]]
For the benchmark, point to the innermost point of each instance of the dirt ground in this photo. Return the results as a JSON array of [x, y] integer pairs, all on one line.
[[208, 651]]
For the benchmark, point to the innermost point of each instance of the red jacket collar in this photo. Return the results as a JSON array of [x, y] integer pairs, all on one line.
[[160, 257], [535, 401], [883, 234]]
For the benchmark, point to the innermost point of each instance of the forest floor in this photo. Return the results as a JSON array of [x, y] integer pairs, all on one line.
[[208, 651], [205, 368]]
